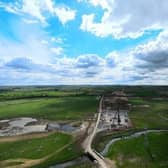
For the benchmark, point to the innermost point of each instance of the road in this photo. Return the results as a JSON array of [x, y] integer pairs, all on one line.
[[90, 138]]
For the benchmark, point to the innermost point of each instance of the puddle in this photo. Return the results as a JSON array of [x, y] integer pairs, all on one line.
[[61, 127]]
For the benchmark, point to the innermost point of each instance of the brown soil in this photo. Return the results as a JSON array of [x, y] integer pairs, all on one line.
[[24, 137]]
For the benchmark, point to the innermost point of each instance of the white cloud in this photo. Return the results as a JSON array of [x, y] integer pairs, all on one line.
[[29, 21], [31, 47], [34, 8], [65, 14], [57, 40], [105, 4], [126, 18], [146, 64], [39, 10], [88, 60], [154, 54], [44, 42], [57, 50]]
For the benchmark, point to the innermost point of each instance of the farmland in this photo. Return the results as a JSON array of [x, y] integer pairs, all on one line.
[[78, 105]]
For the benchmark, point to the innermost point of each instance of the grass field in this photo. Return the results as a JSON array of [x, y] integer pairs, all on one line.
[[22, 93], [63, 108], [79, 103], [44, 104], [146, 151], [71, 152], [54, 148], [152, 115]]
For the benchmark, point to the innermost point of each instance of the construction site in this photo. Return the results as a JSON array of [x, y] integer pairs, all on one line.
[[115, 110]]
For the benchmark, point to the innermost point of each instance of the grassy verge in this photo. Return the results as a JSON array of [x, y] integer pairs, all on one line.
[[148, 151]]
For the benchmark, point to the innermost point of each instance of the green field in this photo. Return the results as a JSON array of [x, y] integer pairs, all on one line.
[[80, 103], [146, 151], [63, 108], [35, 92], [154, 115], [49, 104], [84, 165], [57, 147]]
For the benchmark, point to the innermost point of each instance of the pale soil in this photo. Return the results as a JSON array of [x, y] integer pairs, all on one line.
[[82, 130], [24, 137], [110, 163]]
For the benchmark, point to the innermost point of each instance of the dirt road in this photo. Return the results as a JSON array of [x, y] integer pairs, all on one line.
[[89, 139]]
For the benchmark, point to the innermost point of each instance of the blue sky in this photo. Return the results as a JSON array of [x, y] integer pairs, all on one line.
[[83, 42]]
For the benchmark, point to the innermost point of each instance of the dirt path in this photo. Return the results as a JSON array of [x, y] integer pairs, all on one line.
[[162, 117], [26, 163], [24, 137]]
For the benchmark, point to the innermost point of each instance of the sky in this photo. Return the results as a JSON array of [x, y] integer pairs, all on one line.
[[73, 42]]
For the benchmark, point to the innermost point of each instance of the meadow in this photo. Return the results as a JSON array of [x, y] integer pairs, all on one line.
[[148, 151], [44, 103], [48, 150], [149, 113], [63, 108], [73, 103]]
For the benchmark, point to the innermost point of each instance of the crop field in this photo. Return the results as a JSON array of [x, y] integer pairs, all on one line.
[[148, 151]]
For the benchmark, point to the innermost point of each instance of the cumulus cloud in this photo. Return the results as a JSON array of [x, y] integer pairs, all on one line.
[[89, 65], [126, 18], [39, 10], [87, 61], [31, 61], [65, 14], [57, 51], [91, 69], [24, 64], [154, 54], [31, 48], [112, 59], [145, 64], [57, 40]]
